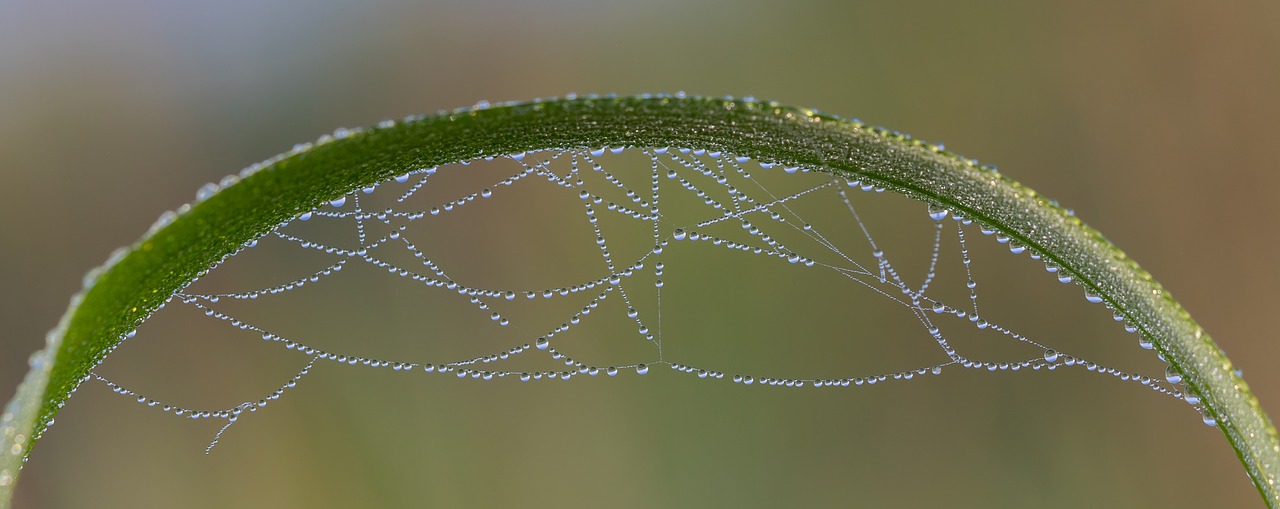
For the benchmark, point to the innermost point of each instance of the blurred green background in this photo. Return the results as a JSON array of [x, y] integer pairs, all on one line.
[[1155, 121]]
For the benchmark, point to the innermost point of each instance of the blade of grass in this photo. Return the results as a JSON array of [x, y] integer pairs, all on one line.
[[182, 246]]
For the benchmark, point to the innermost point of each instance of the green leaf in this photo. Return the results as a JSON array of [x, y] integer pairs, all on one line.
[[182, 246]]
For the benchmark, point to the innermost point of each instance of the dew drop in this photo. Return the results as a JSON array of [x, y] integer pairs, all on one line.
[[1050, 355], [642, 368], [1172, 375], [206, 191], [937, 212], [1207, 417]]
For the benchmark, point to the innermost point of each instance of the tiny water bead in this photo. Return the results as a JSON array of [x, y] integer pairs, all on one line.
[[1207, 417], [637, 240], [937, 212]]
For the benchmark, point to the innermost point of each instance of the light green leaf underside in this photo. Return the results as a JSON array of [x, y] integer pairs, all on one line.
[[136, 281]]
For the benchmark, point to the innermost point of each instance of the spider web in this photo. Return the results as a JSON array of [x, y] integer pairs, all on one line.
[[591, 296]]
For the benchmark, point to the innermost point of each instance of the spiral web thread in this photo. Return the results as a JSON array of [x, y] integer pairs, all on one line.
[[730, 194]]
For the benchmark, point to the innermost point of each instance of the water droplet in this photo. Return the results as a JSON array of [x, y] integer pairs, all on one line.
[[937, 212], [542, 343], [339, 202], [1050, 355], [1172, 375], [1208, 417], [611, 371], [1092, 298], [206, 191]]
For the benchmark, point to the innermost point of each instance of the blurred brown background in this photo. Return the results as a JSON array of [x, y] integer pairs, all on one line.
[[1155, 121]]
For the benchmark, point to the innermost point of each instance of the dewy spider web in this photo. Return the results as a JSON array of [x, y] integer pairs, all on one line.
[[684, 199]]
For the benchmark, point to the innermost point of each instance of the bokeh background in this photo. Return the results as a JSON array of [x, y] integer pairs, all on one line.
[[1155, 121]]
